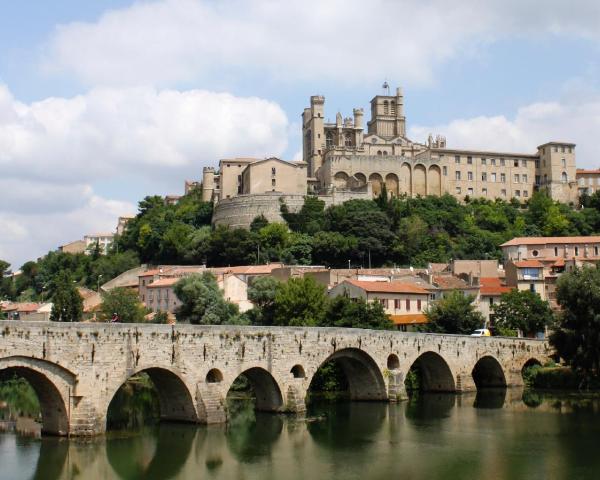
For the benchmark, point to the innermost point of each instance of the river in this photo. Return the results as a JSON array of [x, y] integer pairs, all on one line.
[[493, 436]]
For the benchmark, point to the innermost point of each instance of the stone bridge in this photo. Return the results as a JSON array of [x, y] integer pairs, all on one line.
[[77, 368]]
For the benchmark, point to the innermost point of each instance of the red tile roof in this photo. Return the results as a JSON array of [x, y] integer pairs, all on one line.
[[492, 286], [583, 170], [450, 282], [164, 282], [150, 273], [529, 264], [387, 287], [549, 240]]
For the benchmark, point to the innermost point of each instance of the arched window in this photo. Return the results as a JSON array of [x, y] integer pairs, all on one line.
[[393, 107], [386, 107], [329, 140], [378, 152], [384, 153], [564, 177], [348, 140]]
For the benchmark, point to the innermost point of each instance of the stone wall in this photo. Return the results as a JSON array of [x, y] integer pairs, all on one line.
[[76, 369]]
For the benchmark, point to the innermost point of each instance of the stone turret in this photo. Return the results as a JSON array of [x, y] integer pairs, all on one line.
[[208, 183]]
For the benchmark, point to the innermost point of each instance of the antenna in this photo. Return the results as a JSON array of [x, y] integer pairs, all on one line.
[[386, 88]]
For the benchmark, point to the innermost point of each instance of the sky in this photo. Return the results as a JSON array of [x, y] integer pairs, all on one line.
[[105, 102]]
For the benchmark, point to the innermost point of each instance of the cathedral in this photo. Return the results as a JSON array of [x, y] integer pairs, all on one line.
[[343, 161], [343, 156]]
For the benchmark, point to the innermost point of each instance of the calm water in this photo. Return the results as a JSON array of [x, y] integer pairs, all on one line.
[[496, 436]]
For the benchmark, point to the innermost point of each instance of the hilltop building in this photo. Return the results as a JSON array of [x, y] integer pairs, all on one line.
[[345, 160]]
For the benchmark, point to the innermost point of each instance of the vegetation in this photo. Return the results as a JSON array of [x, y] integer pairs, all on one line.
[[67, 305], [202, 302], [19, 397], [576, 337], [521, 311], [454, 313], [125, 303]]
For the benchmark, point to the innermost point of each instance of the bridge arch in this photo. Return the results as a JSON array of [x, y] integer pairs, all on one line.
[[435, 373], [488, 372], [174, 397], [266, 389], [52, 384], [365, 379]]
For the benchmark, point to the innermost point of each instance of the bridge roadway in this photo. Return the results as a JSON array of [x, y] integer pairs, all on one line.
[[76, 368]]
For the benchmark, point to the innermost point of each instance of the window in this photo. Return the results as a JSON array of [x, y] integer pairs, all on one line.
[[556, 251], [516, 178], [535, 253], [503, 192], [555, 148], [532, 287], [537, 164], [378, 152], [397, 304], [570, 150], [483, 161], [493, 162], [385, 107], [470, 160], [524, 177], [525, 193], [419, 305], [348, 140], [503, 177], [470, 176], [530, 273], [516, 163], [393, 107], [484, 177], [408, 305], [595, 250], [273, 171], [493, 178], [517, 193], [470, 191], [445, 171], [457, 174], [537, 179], [456, 158], [564, 178], [502, 162], [562, 149], [458, 190], [384, 153], [524, 163], [576, 251], [563, 162], [272, 182], [484, 192]]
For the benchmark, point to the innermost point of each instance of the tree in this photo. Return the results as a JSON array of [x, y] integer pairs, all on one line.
[[522, 310], [300, 302], [231, 247], [343, 311], [262, 292], [576, 337], [67, 304], [259, 222], [454, 313], [125, 303], [202, 301]]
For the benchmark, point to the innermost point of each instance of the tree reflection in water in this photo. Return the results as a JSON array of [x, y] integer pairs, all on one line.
[[490, 398]]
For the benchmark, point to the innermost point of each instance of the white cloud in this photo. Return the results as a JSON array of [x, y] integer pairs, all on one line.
[[167, 41], [56, 154], [569, 119]]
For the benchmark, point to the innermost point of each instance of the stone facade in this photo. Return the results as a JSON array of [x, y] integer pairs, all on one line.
[[341, 155], [76, 369]]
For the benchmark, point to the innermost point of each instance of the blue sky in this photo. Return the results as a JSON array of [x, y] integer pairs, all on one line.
[[104, 102]]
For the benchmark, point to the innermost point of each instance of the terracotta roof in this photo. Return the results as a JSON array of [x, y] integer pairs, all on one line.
[[21, 307], [451, 282], [583, 170], [529, 264], [409, 319], [492, 286], [549, 240], [150, 273], [387, 287], [437, 267], [164, 282]]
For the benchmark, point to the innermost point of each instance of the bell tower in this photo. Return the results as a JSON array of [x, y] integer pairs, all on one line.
[[387, 114]]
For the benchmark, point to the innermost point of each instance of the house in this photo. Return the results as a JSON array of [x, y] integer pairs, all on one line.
[[405, 303], [490, 292], [538, 248]]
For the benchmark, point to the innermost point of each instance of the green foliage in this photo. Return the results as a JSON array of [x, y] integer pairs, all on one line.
[[356, 313], [576, 337], [231, 247], [203, 302], [161, 317], [125, 304], [67, 305], [455, 313], [329, 380], [522, 310], [300, 302], [258, 223], [262, 292], [20, 398]]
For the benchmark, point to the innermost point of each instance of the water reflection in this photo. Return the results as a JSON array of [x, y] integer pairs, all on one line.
[[493, 435]]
